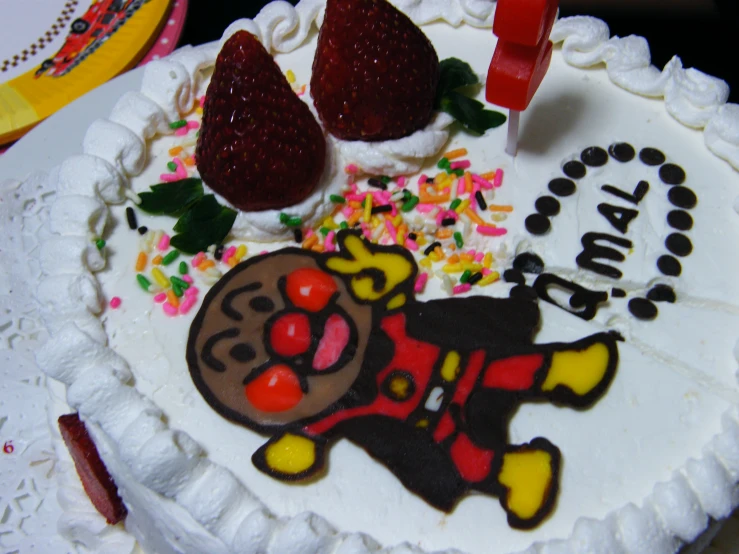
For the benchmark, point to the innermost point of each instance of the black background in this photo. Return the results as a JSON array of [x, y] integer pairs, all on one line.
[[707, 39]]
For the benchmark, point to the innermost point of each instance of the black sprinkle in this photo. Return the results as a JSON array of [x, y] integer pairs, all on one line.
[[143, 230], [528, 263], [412, 236], [262, 304], [562, 187], [594, 156], [651, 156], [547, 205], [618, 293], [680, 220], [381, 209], [682, 197], [679, 244], [622, 152], [243, 353], [474, 278], [514, 276], [641, 308], [131, 218], [481, 200], [672, 174], [298, 235], [537, 224], [574, 170], [523, 292], [662, 293], [431, 248], [429, 180], [669, 265], [377, 183], [447, 221], [218, 254]]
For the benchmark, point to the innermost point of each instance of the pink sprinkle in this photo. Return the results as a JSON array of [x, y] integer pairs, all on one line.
[[168, 177], [191, 291], [201, 101], [422, 179], [487, 185], [475, 188], [328, 243], [439, 217], [169, 309], [425, 208], [187, 279], [401, 181], [486, 271], [181, 170], [351, 169], [308, 233], [410, 244], [421, 282], [263, 252], [355, 197], [459, 289], [115, 302], [347, 212], [198, 259], [460, 186], [163, 242], [479, 257], [498, 179], [161, 297], [193, 125], [354, 188], [187, 303], [461, 164], [393, 210], [182, 131], [366, 231], [491, 231], [230, 251], [391, 229]]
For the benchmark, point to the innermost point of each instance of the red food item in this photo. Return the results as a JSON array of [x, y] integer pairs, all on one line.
[[259, 146], [516, 72], [290, 335], [336, 335], [96, 480], [310, 289], [524, 22], [275, 390], [374, 73]]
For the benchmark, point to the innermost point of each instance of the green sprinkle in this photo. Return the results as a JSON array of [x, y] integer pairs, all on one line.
[[176, 281], [183, 268], [443, 163], [336, 199], [169, 258], [458, 239], [100, 243], [363, 201], [177, 124], [177, 291], [284, 218], [406, 195], [458, 172], [294, 222], [324, 231], [144, 282], [172, 166], [344, 225], [410, 204], [465, 276], [385, 179], [455, 203]]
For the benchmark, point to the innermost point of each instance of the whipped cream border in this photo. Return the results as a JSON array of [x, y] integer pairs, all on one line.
[[155, 463]]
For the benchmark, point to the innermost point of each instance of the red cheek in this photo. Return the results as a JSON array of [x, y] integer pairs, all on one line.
[[275, 390], [310, 289], [336, 336], [290, 335]]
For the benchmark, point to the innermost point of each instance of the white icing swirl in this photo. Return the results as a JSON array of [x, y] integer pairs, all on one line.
[[117, 145]]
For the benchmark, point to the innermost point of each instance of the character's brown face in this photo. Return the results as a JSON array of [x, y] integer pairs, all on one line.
[[277, 340]]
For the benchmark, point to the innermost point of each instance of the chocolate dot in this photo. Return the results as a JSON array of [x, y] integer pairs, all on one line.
[[622, 151], [594, 156], [682, 197], [669, 266], [523, 292], [641, 308], [574, 170], [547, 205], [262, 304], [243, 353], [562, 187], [679, 244], [680, 220], [618, 293], [528, 263], [662, 293], [672, 174], [514, 276], [651, 156], [537, 224]]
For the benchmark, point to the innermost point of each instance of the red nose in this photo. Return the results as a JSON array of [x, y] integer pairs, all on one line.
[[310, 289], [275, 390]]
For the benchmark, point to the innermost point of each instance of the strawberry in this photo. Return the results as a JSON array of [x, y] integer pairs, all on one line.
[[96, 480], [374, 73], [259, 146]]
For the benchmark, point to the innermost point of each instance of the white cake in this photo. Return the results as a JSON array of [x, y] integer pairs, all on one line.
[[643, 469]]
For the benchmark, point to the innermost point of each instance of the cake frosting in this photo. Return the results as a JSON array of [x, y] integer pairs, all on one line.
[[643, 469]]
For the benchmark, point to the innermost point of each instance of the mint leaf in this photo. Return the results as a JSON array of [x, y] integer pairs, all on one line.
[[453, 74], [171, 198], [471, 113], [205, 223], [203, 210]]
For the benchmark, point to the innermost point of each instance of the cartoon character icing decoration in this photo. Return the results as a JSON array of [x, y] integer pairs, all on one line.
[[308, 347]]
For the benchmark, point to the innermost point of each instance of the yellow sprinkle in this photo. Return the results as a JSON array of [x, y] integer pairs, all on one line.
[[400, 237], [463, 206], [290, 76], [494, 276], [500, 207], [487, 261], [141, 261], [329, 223], [160, 277], [454, 154], [434, 257], [472, 267], [474, 217], [375, 221], [199, 110], [240, 251], [157, 260], [440, 177], [175, 150], [310, 242], [452, 268], [443, 233], [440, 252], [368, 207], [205, 264], [425, 262], [172, 298], [420, 239], [498, 217], [398, 220]]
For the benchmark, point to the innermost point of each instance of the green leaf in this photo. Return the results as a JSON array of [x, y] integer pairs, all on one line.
[[471, 113], [453, 74], [171, 198], [203, 210], [199, 233]]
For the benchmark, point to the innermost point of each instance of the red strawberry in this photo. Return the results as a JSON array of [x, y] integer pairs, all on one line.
[[96, 480], [374, 72], [260, 146]]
